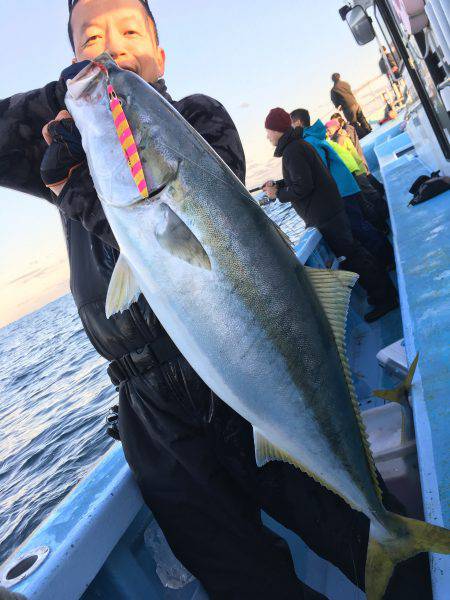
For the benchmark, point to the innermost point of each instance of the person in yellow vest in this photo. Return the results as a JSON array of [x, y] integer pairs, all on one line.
[[377, 212]]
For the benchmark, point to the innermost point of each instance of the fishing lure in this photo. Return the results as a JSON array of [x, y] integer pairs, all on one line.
[[127, 142]]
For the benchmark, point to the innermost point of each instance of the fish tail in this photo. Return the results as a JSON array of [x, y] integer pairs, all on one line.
[[399, 393], [413, 537]]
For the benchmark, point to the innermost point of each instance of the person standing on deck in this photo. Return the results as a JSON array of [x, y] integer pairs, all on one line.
[[343, 99], [313, 193], [356, 205], [341, 142], [351, 132], [392, 70]]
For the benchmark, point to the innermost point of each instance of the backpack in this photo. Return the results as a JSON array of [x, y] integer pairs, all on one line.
[[426, 187]]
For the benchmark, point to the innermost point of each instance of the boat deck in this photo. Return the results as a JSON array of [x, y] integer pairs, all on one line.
[[422, 249]]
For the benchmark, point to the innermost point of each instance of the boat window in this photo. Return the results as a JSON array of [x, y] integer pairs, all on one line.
[[386, 40], [419, 70]]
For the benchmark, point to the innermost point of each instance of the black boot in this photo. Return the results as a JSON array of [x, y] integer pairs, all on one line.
[[381, 309]]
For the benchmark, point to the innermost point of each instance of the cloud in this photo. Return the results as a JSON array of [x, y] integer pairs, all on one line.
[[26, 277], [244, 105], [258, 172], [33, 289], [39, 272]]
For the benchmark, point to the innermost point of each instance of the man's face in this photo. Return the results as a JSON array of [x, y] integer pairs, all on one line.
[[273, 136], [296, 123], [122, 28]]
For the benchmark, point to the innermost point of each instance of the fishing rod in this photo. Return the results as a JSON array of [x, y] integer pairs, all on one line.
[[278, 183]]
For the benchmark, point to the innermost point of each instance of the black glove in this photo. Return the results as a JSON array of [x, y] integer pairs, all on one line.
[[74, 69], [61, 84], [64, 154]]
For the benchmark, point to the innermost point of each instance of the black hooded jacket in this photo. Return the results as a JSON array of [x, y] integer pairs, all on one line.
[[91, 246], [308, 185]]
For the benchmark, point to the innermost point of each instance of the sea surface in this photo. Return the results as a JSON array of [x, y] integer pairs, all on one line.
[[54, 396]]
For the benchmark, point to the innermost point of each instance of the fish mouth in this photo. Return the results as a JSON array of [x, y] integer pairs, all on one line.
[[87, 79]]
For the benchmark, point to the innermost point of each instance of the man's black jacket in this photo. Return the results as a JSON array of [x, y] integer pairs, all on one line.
[[91, 246], [308, 185]]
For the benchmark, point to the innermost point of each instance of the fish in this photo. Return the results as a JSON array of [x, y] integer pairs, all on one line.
[[264, 332]]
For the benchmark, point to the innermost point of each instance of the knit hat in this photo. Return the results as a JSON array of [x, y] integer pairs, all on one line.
[[333, 123], [278, 120]]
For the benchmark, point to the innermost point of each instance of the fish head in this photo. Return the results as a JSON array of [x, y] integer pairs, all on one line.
[[116, 175]]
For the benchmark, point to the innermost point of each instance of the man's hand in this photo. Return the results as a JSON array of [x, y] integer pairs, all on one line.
[[64, 153], [63, 114], [270, 189]]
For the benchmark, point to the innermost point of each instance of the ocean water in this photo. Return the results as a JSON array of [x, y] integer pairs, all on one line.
[[54, 396]]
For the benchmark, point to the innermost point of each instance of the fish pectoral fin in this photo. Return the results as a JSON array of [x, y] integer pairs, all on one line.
[[176, 238], [265, 451], [400, 393], [123, 289]]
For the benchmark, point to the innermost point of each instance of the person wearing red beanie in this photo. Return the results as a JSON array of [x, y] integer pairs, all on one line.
[[309, 186], [277, 123], [278, 120]]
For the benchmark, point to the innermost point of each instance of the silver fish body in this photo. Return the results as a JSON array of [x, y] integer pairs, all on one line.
[[227, 288]]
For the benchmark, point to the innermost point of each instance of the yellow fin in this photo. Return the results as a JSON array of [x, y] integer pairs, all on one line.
[[333, 289], [265, 452], [408, 538], [123, 289], [400, 393]]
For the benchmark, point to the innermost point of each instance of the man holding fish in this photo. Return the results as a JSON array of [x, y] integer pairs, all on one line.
[[192, 244]]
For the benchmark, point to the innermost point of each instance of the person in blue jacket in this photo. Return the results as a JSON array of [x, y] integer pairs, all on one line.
[[371, 238]]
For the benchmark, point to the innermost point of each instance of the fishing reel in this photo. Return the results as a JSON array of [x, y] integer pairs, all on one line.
[[112, 422]]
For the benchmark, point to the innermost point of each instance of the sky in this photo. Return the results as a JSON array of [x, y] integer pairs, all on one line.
[[252, 56]]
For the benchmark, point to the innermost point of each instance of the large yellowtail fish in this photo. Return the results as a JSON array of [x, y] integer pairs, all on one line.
[[264, 332]]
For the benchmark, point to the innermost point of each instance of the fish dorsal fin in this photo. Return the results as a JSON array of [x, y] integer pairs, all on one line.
[[123, 289], [333, 289]]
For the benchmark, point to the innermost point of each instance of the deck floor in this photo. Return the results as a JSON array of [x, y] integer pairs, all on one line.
[[422, 247]]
